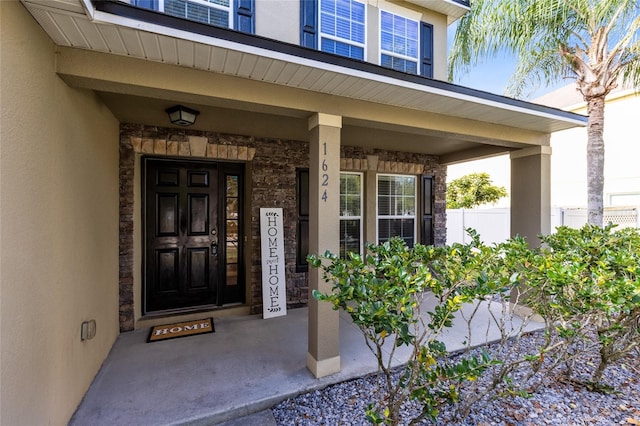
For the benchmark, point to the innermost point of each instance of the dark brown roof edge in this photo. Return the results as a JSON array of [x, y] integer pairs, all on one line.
[[122, 9]]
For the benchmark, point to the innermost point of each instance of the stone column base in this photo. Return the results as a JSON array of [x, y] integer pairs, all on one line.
[[324, 367]]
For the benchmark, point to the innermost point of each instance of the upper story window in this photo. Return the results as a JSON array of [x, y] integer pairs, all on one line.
[[214, 12], [342, 28], [237, 14], [398, 42]]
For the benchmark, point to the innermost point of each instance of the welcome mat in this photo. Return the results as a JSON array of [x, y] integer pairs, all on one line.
[[180, 329]]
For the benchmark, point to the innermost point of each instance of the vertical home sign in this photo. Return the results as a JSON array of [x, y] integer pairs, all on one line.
[[274, 289]]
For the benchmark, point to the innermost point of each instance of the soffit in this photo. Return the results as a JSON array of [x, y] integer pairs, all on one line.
[[75, 6], [74, 23], [453, 9]]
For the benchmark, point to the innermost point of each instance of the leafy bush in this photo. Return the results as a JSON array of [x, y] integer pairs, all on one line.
[[383, 293], [583, 283], [586, 282]]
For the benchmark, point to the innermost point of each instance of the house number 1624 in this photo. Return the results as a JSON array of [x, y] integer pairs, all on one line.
[[325, 176]]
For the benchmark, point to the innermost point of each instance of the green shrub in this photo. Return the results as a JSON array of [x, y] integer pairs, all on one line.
[[586, 282], [383, 292]]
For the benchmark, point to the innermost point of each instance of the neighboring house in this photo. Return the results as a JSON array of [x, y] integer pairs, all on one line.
[[622, 150], [333, 110], [568, 169]]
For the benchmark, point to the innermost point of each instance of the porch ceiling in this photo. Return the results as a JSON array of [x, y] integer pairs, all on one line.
[[293, 124], [434, 116]]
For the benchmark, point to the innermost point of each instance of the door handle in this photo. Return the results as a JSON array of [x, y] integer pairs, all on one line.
[[214, 242]]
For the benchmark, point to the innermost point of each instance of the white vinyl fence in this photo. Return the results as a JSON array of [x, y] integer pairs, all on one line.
[[493, 225]]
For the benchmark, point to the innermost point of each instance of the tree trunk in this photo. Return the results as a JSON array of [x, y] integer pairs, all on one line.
[[595, 160]]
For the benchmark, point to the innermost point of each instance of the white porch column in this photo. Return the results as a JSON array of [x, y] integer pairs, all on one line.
[[323, 357], [531, 193]]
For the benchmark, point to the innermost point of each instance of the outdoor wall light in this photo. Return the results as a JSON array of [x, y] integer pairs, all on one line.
[[182, 116]]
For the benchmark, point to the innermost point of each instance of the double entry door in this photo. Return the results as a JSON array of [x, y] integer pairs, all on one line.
[[193, 243]]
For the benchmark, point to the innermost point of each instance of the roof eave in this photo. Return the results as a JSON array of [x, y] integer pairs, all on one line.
[[426, 94]]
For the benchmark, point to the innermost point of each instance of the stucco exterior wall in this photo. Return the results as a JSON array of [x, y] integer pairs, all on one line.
[[438, 20], [58, 229], [280, 20]]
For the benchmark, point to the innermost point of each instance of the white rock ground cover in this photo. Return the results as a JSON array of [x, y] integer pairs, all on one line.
[[557, 402]]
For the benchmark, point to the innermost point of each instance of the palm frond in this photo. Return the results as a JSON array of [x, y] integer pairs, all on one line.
[[595, 41]]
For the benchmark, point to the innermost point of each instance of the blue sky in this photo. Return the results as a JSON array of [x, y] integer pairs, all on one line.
[[493, 74], [490, 76]]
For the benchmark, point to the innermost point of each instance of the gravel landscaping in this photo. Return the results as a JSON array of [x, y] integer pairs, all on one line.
[[557, 402]]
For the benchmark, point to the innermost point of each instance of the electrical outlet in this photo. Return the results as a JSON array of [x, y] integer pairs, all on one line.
[[88, 330]]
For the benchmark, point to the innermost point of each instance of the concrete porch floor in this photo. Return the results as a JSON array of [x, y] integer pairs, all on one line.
[[233, 375]]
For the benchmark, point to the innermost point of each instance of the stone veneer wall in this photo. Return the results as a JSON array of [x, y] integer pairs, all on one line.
[[271, 182], [355, 159]]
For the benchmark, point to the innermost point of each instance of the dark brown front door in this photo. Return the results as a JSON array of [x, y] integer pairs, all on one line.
[[187, 229]]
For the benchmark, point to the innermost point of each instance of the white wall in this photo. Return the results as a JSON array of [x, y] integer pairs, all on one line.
[[622, 150], [493, 225]]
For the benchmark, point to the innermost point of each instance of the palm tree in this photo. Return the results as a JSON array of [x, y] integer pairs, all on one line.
[[594, 42]]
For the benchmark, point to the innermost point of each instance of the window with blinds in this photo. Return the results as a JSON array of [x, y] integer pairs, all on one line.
[[350, 213], [342, 28], [213, 12], [396, 208], [236, 14], [398, 42]]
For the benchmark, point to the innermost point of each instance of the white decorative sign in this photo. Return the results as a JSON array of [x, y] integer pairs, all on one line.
[[274, 289]]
